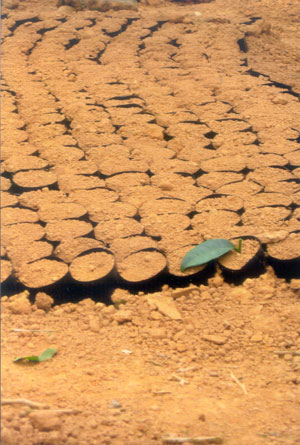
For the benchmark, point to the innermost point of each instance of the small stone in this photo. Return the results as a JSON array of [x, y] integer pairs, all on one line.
[[20, 306], [43, 301], [166, 185], [126, 351], [165, 305], [249, 282], [45, 420], [65, 10], [216, 339], [93, 423], [155, 315], [115, 404], [257, 338], [94, 325], [15, 297], [217, 281], [242, 294], [295, 284], [87, 302], [280, 100], [185, 292], [119, 295], [108, 310], [158, 333], [122, 316], [205, 295], [273, 237]]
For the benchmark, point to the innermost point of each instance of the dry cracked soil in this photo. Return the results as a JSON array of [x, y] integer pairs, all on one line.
[[132, 131]]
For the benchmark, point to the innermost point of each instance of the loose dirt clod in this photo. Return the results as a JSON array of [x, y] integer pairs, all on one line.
[[45, 420], [43, 301]]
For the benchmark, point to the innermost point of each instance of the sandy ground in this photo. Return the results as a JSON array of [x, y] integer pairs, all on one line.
[[127, 138]]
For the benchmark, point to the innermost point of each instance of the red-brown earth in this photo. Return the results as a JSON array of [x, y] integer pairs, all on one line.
[[128, 137]]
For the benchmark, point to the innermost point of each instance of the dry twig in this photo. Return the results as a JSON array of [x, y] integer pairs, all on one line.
[[26, 402], [241, 385], [179, 379], [37, 405], [200, 440], [162, 392], [189, 368]]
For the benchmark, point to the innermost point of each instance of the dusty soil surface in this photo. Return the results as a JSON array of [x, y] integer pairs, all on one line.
[[215, 361], [128, 137]]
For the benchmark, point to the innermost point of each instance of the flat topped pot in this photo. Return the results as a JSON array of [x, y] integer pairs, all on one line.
[[249, 259], [92, 265]]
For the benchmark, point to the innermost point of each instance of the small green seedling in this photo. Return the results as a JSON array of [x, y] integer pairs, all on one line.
[[46, 355], [208, 251]]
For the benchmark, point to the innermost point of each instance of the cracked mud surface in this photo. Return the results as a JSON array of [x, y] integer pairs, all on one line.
[[128, 137]]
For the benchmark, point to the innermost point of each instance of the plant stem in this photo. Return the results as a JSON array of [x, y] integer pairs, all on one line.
[[239, 247]]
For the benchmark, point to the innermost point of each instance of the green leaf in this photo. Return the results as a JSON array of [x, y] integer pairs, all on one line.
[[46, 355], [31, 358], [205, 252]]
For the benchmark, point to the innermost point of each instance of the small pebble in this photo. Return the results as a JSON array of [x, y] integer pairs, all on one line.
[[43, 301], [20, 306], [216, 339], [181, 347], [122, 316], [256, 338], [94, 325], [115, 404]]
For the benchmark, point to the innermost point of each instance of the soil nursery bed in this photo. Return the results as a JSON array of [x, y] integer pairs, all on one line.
[[131, 132]]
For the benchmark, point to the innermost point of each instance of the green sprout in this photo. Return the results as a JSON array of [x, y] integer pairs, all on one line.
[[46, 355]]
